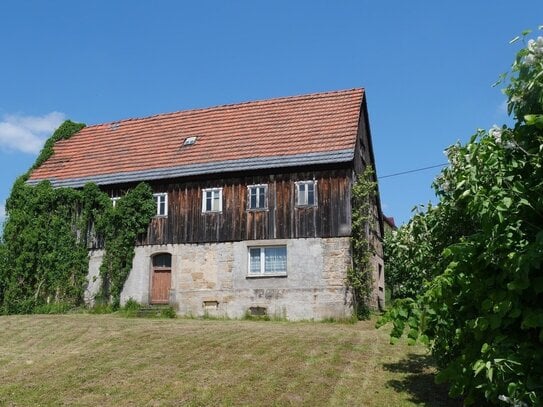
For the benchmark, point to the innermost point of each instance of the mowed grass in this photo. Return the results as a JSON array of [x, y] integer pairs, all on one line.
[[107, 360]]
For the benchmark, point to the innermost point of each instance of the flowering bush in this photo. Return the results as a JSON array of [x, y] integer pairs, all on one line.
[[479, 305]]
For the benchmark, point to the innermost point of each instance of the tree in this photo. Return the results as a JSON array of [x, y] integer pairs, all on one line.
[[479, 303]]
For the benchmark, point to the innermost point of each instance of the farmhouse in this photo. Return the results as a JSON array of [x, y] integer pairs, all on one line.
[[253, 203]]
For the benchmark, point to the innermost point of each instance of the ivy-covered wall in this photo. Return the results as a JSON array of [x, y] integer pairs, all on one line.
[[360, 276], [43, 252]]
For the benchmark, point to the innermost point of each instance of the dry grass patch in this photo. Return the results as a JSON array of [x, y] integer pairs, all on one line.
[[91, 360]]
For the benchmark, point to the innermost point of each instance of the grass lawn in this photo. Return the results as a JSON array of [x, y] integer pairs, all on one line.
[[107, 360]]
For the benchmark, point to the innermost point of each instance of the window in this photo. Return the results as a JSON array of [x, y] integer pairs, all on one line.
[[212, 200], [161, 204], [163, 261], [268, 261], [306, 193], [189, 141], [257, 197]]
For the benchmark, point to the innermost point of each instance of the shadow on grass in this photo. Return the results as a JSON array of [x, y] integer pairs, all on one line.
[[418, 382]]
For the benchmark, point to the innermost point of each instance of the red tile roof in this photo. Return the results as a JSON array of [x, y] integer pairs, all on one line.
[[281, 130]]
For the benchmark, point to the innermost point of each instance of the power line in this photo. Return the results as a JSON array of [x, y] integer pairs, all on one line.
[[415, 170]]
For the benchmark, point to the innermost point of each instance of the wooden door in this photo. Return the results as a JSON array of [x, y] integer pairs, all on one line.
[[160, 286]]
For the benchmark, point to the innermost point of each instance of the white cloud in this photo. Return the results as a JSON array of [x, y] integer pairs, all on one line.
[[2, 214], [27, 133]]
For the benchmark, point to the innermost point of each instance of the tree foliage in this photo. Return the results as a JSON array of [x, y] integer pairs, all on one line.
[[44, 252], [477, 256]]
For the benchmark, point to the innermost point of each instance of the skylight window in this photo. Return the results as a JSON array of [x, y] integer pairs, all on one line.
[[189, 141]]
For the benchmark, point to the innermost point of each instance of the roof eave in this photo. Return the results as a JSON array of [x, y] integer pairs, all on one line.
[[246, 164]]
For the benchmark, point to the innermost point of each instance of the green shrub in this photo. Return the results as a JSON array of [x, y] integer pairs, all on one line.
[[53, 308], [168, 312], [101, 308], [130, 309], [478, 256]]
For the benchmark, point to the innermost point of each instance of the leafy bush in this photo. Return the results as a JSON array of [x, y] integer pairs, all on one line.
[[168, 312], [53, 308], [101, 308], [476, 258], [44, 256], [131, 308]]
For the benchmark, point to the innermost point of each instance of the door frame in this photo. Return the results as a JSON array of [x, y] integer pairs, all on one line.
[[159, 269]]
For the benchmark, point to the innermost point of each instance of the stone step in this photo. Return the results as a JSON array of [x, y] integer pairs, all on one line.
[[151, 310]]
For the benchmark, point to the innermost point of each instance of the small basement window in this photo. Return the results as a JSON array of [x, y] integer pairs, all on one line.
[[212, 200], [268, 261], [257, 197], [306, 193], [161, 201]]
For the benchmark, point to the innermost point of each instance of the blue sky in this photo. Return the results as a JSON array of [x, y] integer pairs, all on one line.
[[427, 67]]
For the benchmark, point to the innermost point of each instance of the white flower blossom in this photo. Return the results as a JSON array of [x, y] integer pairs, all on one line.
[[509, 145], [496, 132], [529, 59], [535, 49], [512, 402], [536, 46], [452, 154]]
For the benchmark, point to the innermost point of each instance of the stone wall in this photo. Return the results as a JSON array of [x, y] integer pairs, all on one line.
[[212, 279]]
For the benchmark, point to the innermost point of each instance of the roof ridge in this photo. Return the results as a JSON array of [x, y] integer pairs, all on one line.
[[233, 105]]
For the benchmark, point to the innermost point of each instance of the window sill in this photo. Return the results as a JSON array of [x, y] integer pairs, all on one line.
[[269, 275]]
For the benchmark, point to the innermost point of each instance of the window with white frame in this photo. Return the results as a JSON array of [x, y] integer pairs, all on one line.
[[161, 201], [306, 193], [268, 261], [257, 197], [212, 200]]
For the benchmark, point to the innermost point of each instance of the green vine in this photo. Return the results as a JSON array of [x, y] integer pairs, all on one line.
[[64, 132], [120, 226], [44, 249], [359, 277]]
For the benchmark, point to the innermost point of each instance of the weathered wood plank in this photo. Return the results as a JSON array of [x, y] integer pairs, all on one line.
[[187, 224]]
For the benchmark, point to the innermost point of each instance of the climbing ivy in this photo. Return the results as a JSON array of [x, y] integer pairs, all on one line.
[[64, 132], [44, 253], [44, 262], [120, 226], [359, 277]]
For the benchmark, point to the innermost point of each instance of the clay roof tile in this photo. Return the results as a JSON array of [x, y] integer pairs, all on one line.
[[277, 129]]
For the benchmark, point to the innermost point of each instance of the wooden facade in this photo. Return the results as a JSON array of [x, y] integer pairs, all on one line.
[[282, 219]]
